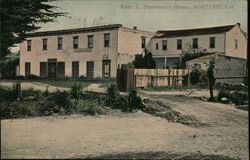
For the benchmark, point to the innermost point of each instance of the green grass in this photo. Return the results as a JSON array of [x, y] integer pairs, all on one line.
[[169, 88], [54, 82]]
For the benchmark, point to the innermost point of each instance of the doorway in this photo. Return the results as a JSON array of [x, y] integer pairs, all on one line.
[[106, 68], [90, 70]]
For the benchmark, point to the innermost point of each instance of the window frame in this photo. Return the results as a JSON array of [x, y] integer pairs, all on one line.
[[75, 42], [179, 44], [45, 44], [29, 43], [59, 43], [195, 45], [212, 42], [164, 44], [106, 39], [90, 43], [236, 44], [143, 42]]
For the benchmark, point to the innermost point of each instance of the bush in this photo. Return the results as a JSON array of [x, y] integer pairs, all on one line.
[[194, 77], [7, 95], [76, 91], [32, 76], [113, 94], [60, 99], [134, 101]]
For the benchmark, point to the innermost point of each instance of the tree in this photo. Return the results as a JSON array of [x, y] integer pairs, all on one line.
[[145, 61], [211, 79], [21, 16]]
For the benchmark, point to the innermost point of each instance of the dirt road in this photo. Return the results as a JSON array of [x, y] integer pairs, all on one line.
[[77, 136]]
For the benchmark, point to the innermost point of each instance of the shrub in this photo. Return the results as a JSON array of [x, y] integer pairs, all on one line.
[[60, 99], [134, 101], [32, 76], [7, 95], [76, 91], [194, 77], [113, 95]]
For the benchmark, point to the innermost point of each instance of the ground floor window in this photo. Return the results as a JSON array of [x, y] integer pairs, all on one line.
[[75, 69], [106, 68], [27, 68], [43, 69], [60, 69]]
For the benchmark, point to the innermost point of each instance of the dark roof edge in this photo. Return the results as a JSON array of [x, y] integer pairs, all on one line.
[[75, 30], [191, 29]]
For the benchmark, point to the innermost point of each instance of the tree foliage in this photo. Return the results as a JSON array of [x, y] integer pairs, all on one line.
[[21, 16], [189, 53], [145, 61]]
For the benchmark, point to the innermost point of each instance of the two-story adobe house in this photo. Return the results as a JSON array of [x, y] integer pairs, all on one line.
[[168, 45], [92, 52]]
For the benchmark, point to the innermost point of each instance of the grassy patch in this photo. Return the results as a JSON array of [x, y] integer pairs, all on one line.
[[169, 88]]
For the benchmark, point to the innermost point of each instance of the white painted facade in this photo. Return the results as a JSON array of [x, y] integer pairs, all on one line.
[[124, 43], [224, 44]]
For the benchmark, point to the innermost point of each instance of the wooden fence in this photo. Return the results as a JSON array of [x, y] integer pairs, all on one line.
[[129, 78]]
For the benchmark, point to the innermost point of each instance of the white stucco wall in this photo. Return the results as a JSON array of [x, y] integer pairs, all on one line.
[[241, 51], [172, 51]]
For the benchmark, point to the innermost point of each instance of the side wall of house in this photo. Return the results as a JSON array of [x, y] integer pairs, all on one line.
[[231, 50], [129, 44]]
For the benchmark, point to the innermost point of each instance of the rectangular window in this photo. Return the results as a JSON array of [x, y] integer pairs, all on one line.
[[106, 68], [164, 44], [43, 69], [29, 45], [75, 69], [75, 42], [195, 43], [235, 44], [45, 41], [59, 43], [27, 69], [156, 46], [212, 42], [60, 69], [179, 44], [90, 41], [143, 42], [106, 39]]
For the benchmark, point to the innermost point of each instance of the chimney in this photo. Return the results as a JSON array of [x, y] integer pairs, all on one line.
[[135, 28]]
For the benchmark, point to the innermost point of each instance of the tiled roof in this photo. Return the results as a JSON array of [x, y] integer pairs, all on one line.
[[190, 32], [76, 30]]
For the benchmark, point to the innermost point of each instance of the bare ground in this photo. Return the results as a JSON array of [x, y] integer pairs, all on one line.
[[225, 134]]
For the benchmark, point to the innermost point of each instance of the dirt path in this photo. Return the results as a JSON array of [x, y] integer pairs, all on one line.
[[78, 136]]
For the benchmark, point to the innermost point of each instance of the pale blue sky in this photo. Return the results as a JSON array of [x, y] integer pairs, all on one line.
[[150, 15]]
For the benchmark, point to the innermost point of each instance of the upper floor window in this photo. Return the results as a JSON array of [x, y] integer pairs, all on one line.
[[45, 43], [179, 44], [75, 42], [156, 46], [164, 44], [195, 42], [29, 45], [59, 43], [143, 42], [212, 42], [90, 41], [235, 44], [106, 39]]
